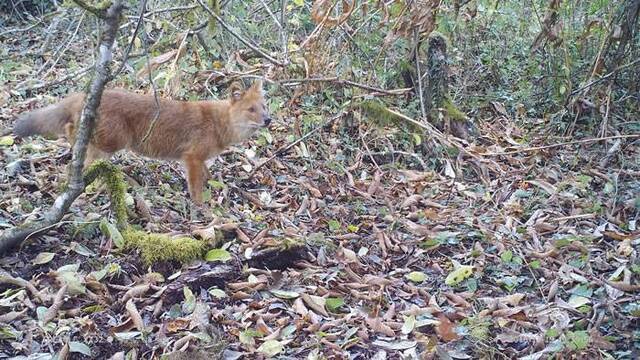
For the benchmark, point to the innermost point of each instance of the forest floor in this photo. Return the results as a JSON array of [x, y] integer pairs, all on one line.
[[521, 255]]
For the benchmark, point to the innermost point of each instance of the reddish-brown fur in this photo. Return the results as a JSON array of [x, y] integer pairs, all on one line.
[[190, 131]]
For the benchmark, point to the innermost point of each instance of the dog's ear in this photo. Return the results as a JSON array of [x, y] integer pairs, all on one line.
[[236, 91]]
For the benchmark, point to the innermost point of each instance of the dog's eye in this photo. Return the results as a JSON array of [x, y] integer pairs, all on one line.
[[252, 109]]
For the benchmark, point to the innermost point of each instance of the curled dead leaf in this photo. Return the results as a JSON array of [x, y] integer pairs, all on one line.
[[446, 329], [377, 325], [134, 314]]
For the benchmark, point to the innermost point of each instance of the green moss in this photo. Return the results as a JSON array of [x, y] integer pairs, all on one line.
[[289, 243], [378, 113], [117, 187], [153, 248], [158, 247], [453, 111]]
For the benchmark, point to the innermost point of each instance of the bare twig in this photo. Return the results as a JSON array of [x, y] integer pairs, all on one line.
[[6, 278], [156, 114], [576, 142], [58, 300], [336, 80], [42, 84], [266, 7], [143, 5], [416, 39], [21, 30], [604, 77], [303, 138], [169, 9], [238, 36], [59, 56], [52, 29], [283, 31]]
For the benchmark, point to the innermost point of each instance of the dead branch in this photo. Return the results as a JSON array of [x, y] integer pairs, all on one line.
[[576, 142], [16, 235], [238, 36], [42, 85], [305, 136], [143, 6], [58, 300], [604, 77], [336, 80], [6, 278]]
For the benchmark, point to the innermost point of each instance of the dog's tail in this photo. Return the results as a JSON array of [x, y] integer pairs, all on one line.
[[49, 121]]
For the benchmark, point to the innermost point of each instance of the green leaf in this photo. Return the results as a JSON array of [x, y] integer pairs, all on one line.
[[247, 337], [189, 303], [447, 237], [40, 311], [552, 333], [9, 333], [409, 324], [509, 282], [217, 185], [92, 309], [298, 2], [582, 290], [284, 294], [577, 301], [417, 140], [334, 225], [535, 264], [506, 256], [577, 340], [416, 276], [81, 249], [129, 335], [522, 194], [608, 188], [69, 268], [271, 347], [79, 347], [287, 331], [110, 230], [334, 303], [218, 255], [69, 275], [43, 258], [430, 243], [563, 89], [217, 293], [6, 141], [458, 275]]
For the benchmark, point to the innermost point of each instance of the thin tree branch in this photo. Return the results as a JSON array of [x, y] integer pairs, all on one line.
[[239, 37], [576, 142], [423, 108], [14, 236], [41, 84], [604, 77], [336, 80], [156, 114], [40, 21], [266, 7], [304, 137], [143, 5]]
